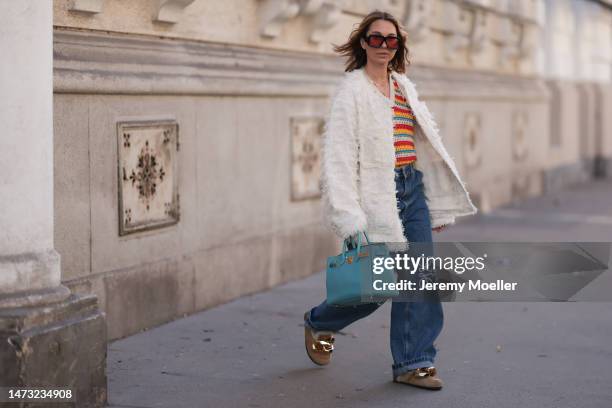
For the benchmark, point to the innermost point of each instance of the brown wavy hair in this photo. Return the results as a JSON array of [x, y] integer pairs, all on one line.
[[357, 57]]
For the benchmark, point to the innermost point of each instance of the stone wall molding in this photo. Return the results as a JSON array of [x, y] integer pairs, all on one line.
[[29, 271], [113, 63], [90, 62], [34, 298]]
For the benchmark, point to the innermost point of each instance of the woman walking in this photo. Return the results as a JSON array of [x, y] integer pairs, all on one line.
[[385, 171]]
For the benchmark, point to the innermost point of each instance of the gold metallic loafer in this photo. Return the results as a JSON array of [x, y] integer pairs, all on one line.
[[319, 344], [425, 377]]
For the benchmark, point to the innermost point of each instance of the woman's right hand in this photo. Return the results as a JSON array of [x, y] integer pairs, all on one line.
[[351, 242]]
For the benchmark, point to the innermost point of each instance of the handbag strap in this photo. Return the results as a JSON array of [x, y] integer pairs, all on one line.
[[345, 244]]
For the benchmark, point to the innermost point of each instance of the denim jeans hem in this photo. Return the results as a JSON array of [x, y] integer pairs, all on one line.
[[405, 366], [308, 322]]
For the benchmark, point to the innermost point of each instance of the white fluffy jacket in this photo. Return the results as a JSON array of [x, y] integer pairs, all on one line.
[[358, 162]]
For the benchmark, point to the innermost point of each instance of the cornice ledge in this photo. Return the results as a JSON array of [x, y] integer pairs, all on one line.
[[114, 63]]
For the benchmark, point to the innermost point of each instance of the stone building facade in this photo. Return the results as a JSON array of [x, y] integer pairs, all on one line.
[[167, 151], [244, 85]]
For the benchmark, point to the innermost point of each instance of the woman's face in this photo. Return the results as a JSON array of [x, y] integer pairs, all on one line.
[[381, 55]]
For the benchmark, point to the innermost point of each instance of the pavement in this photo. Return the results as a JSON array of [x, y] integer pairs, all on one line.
[[250, 352]]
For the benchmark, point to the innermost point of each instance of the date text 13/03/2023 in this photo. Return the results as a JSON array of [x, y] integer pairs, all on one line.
[[477, 285]]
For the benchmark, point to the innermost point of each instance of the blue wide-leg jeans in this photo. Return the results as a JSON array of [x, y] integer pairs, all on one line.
[[414, 325]]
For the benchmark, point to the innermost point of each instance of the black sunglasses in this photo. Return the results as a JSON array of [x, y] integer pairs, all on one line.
[[377, 40]]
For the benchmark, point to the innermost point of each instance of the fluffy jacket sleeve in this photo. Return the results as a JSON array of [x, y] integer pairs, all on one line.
[[339, 177]]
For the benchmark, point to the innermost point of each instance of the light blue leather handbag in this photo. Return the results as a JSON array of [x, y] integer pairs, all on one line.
[[350, 278]]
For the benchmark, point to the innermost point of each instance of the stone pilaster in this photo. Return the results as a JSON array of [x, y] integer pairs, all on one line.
[[49, 337]]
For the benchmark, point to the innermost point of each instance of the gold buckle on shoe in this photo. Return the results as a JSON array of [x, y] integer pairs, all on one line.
[[425, 372], [326, 345]]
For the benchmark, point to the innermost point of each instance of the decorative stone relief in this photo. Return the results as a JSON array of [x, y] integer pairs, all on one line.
[[472, 143], [458, 22], [273, 14], [514, 28], [539, 12], [395, 7], [532, 10], [363, 7], [509, 37], [148, 175], [519, 136], [417, 20], [324, 14], [306, 134], [501, 5], [170, 11], [528, 41], [478, 38], [478, 3], [310, 7], [456, 19], [86, 6], [523, 8], [476, 33]]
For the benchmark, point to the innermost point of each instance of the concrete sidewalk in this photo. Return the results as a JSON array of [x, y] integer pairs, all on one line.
[[250, 352]]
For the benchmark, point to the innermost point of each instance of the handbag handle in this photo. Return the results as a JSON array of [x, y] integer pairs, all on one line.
[[345, 244]]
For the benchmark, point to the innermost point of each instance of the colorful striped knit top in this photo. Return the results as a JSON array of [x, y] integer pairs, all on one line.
[[403, 129]]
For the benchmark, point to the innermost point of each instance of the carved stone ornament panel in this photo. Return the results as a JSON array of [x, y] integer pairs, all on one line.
[[472, 143], [306, 134], [520, 147], [147, 175]]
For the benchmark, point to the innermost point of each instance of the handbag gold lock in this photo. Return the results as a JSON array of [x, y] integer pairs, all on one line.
[[349, 259]]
